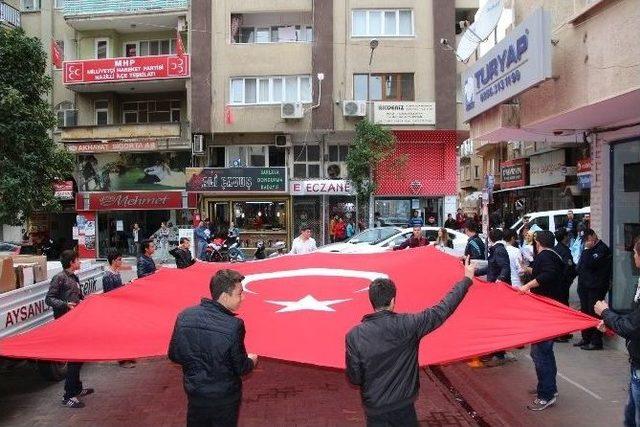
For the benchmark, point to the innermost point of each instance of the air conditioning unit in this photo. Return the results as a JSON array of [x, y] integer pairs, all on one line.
[[197, 144], [336, 170], [283, 141], [291, 110], [354, 108]]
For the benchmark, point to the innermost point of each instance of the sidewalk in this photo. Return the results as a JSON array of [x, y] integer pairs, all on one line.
[[592, 386]]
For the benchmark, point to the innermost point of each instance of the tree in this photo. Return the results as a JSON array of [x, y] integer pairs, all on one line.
[[30, 161], [372, 144]]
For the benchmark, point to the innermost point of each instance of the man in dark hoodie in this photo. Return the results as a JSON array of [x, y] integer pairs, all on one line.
[[382, 351], [498, 265]]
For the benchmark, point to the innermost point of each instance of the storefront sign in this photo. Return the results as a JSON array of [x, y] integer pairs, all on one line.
[[122, 171], [132, 200], [112, 146], [584, 165], [137, 68], [547, 168], [584, 181], [404, 113], [334, 187], [513, 173], [522, 59], [229, 180], [63, 190]]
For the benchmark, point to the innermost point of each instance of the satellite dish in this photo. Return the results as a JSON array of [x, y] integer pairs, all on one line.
[[485, 21]]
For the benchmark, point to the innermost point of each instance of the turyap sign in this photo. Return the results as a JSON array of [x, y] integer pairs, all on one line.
[[250, 179], [521, 60]]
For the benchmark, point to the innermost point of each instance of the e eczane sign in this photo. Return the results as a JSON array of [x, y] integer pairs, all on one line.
[[521, 60]]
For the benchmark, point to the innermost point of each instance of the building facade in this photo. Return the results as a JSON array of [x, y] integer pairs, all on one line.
[[576, 123]]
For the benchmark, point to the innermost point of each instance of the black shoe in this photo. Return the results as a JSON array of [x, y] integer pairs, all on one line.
[[73, 403], [591, 347], [580, 343]]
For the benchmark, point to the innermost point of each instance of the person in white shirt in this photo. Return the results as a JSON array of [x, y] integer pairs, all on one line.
[[304, 243], [515, 256]]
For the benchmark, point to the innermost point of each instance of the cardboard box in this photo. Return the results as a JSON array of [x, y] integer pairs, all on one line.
[[24, 275], [7, 274], [39, 270]]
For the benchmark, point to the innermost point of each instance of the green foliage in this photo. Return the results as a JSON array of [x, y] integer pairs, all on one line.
[[29, 159], [370, 146]]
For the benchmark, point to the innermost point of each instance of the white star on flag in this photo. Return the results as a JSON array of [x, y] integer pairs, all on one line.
[[307, 303]]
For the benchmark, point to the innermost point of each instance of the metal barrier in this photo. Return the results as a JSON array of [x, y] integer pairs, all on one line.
[[89, 7]]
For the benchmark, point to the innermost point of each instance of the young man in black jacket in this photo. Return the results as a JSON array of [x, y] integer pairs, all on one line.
[[594, 277], [628, 327], [182, 253], [208, 341], [498, 265], [63, 296], [547, 270], [562, 249], [382, 351]]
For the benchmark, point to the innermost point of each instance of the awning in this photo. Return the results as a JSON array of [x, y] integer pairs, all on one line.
[[526, 187]]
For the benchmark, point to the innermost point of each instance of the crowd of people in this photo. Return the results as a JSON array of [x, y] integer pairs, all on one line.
[[533, 260]]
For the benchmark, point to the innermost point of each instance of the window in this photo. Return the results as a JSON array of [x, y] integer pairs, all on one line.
[[306, 161], [383, 87], [102, 48], [382, 23], [476, 172], [216, 157], [464, 15], [30, 5], [270, 90], [131, 49], [59, 4], [277, 156], [467, 174], [66, 115], [275, 34], [338, 153], [162, 111], [254, 156], [102, 112], [155, 47]]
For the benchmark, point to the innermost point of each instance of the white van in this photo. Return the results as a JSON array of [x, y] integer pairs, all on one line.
[[551, 220]]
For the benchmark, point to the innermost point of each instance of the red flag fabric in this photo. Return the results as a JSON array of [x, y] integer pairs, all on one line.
[[179, 45], [298, 308], [56, 55], [229, 117]]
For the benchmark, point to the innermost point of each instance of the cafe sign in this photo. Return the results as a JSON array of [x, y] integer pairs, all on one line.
[[243, 180], [404, 113]]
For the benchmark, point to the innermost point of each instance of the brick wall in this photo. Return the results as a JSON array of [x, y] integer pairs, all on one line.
[[600, 187]]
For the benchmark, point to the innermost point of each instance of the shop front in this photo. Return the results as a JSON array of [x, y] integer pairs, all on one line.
[[253, 199], [317, 203], [419, 176], [111, 217], [624, 220]]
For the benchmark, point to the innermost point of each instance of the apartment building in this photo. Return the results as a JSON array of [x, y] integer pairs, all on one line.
[[120, 96], [289, 81], [572, 115]]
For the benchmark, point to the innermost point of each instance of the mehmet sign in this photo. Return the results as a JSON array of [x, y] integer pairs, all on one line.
[[521, 60]]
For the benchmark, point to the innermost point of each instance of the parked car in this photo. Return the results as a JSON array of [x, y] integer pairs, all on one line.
[[551, 220], [13, 248], [383, 239]]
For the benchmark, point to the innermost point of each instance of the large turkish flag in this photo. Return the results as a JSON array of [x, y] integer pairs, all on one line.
[[299, 308]]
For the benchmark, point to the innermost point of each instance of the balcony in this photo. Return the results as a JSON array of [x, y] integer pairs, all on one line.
[[9, 16], [126, 137], [139, 74], [124, 15]]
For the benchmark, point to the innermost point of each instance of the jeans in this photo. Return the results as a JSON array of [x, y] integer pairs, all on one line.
[[632, 410], [213, 416], [72, 383], [546, 370], [403, 417]]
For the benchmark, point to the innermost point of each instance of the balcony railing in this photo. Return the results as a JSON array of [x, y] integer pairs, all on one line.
[[92, 7], [9, 15]]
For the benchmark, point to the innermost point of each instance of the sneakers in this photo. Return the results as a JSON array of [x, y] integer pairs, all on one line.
[[85, 392], [72, 403], [541, 404]]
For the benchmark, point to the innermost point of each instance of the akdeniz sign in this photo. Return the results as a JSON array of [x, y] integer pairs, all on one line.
[[521, 60]]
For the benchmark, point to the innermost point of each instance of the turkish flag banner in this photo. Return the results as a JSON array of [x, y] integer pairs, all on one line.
[[299, 308], [56, 55], [179, 44]]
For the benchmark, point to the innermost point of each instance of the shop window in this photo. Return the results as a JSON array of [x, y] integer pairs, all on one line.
[[102, 112], [383, 87], [306, 161], [259, 216]]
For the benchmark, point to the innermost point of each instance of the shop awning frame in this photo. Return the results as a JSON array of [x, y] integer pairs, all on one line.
[[525, 187]]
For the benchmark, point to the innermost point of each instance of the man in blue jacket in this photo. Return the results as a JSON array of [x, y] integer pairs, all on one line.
[[145, 265], [416, 220], [208, 342]]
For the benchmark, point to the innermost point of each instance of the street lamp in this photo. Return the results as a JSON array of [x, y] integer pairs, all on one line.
[[373, 44]]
